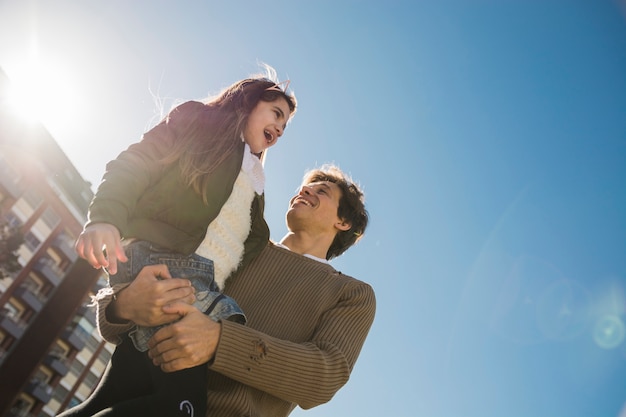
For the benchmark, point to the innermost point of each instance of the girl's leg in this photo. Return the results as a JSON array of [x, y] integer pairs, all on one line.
[[126, 376], [182, 393], [178, 394]]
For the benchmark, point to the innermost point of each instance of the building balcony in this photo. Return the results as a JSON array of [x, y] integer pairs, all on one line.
[[40, 390], [75, 337], [65, 247], [14, 327], [32, 298], [17, 411], [49, 270], [57, 363], [88, 313]]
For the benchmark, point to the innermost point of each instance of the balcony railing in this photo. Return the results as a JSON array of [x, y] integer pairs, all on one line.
[[65, 246], [88, 313], [31, 297], [57, 363], [49, 270], [14, 326], [75, 337], [19, 412], [40, 390]]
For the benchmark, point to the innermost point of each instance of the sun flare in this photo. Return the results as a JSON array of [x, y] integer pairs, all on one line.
[[43, 93]]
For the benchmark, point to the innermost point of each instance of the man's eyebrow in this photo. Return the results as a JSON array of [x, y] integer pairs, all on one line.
[[320, 184]]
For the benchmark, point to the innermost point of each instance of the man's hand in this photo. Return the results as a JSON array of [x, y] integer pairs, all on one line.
[[187, 343], [94, 240], [143, 301]]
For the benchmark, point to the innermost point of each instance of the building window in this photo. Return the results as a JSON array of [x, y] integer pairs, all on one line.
[[76, 368], [11, 310], [33, 283], [73, 402], [41, 376], [91, 379], [33, 199], [92, 343], [31, 241], [60, 392], [12, 219], [105, 356], [21, 407], [50, 218]]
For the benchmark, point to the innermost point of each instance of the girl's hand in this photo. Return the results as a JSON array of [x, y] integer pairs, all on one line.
[[100, 245]]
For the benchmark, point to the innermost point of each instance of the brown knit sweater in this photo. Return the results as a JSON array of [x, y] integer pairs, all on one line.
[[306, 325]]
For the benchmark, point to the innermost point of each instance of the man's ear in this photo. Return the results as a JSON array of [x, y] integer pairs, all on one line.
[[343, 225]]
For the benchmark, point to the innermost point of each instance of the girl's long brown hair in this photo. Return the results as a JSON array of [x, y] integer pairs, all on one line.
[[205, 139]]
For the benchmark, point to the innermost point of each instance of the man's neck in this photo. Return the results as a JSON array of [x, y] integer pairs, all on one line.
[[306, 245]]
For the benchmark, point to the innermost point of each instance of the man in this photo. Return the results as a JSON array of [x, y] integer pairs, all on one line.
[[306, 323]]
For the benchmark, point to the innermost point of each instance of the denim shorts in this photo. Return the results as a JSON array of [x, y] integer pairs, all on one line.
[[195, 268]]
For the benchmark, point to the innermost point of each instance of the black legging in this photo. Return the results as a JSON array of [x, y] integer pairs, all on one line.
[[132, 386]]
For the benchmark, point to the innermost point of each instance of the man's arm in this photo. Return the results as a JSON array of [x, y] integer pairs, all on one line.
[[141, 302], [308, 373]]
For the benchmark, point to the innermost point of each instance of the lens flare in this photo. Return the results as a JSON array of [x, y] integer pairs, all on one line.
[[609, 332]]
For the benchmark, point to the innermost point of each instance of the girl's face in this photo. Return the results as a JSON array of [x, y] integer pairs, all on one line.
[[266, 124]]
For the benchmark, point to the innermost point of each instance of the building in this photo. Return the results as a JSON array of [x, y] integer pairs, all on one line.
[[51, 355]]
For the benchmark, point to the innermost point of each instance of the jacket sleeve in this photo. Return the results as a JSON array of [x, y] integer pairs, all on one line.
[[128, 176], [310, 373]]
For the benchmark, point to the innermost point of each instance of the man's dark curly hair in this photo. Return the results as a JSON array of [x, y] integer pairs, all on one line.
[[351, 207]]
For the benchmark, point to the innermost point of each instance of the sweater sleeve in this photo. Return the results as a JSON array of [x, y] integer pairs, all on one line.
[[137, 168], [109, 331], [309, 373]]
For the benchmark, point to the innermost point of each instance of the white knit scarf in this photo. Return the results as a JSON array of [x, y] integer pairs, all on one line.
[[225, 237]]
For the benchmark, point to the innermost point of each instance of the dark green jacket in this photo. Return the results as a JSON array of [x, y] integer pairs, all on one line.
[[148, 200]]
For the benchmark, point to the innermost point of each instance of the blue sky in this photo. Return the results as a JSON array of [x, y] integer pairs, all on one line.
[[490, 138]]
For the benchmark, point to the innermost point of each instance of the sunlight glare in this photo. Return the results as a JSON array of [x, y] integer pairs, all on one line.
[[44, 93]]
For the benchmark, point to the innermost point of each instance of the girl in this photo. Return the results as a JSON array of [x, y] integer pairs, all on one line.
[[188, 195]]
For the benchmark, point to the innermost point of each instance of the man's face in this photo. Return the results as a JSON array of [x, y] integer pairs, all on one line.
[[314, 209]]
